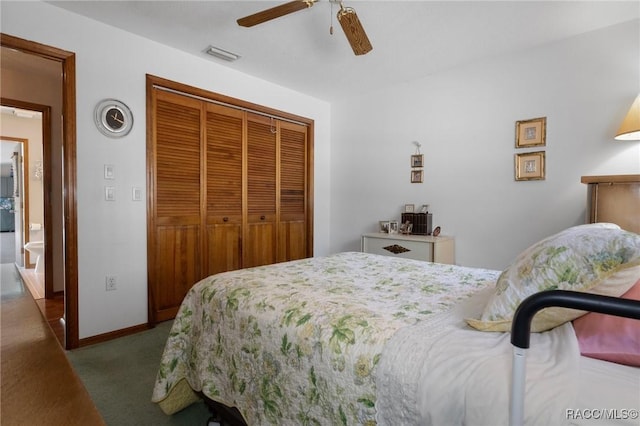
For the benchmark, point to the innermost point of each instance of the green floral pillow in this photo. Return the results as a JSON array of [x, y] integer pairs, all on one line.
[[596, 258]]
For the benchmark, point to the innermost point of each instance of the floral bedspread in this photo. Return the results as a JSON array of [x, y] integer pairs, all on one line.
[[297, 343]]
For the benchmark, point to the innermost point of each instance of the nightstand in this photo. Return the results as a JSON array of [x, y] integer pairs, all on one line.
[[440, 249]]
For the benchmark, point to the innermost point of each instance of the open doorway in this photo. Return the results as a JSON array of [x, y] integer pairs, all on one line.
[[60, 171], [13, 198], [22, 160]]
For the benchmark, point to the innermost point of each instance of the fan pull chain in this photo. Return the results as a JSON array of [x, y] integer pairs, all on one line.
[[331, 17]]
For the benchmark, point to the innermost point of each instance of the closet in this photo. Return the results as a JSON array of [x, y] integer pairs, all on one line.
[[230, 187]]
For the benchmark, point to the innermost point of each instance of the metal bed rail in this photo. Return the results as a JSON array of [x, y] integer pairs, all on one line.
[[521, 331]]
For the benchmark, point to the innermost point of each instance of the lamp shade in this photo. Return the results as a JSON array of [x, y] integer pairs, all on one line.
[[630, 128]]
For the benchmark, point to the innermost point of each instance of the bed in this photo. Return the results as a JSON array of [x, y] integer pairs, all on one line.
[[356, 338]]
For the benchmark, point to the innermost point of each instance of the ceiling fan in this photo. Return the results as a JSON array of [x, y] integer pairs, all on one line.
[[346, 16]]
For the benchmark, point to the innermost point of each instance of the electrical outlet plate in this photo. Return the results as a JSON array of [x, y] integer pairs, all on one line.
[[110, 282]]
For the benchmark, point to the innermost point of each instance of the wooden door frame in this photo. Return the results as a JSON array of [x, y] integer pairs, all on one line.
[[70, 237]]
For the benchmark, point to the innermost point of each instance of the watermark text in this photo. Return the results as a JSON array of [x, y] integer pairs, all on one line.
[[602, 413]]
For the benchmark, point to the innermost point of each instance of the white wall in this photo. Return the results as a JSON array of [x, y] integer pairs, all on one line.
[[465, 119], [113, 63]]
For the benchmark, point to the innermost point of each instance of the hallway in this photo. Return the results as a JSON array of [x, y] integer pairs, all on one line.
[[12, 285], [38, 384]]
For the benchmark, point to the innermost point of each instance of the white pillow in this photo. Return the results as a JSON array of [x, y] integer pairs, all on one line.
[[596, 258]]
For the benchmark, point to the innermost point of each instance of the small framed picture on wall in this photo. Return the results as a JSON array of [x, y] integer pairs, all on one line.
[[417, 160], [531, 132], [530, 166], [416, 176]]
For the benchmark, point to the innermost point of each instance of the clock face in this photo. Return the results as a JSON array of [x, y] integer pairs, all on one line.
[[113, 118]]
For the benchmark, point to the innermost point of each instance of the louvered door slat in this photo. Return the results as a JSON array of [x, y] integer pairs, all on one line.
[[224, 163], [224, 189], [261, 173], [292, 171], [292, 227], [259, 247], [176, 243], [177, 160]]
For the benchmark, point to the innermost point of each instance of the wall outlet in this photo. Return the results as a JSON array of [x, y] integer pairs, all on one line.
[[110, 282]]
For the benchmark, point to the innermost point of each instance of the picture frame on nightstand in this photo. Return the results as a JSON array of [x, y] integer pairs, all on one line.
[[393, 227]]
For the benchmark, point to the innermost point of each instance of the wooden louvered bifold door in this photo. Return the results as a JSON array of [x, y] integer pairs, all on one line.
[[259, 240], [176, 244], [292, 225], [229, 187], [224, 189]]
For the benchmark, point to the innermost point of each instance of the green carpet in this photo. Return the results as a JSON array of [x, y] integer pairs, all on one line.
[[120, 374]]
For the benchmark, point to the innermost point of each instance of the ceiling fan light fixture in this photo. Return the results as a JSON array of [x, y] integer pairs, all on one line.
[[354, 31], [221, 54]]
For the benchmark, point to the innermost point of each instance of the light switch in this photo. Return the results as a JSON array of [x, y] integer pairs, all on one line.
[[109, 171], [136, 194], [109, 193]]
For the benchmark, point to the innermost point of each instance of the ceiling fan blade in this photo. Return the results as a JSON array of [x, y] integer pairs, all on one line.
[[275, 12], [354, 31]]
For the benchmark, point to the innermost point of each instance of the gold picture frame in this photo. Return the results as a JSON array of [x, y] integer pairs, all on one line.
[[417, 160], [530, 166], [531, 132], [416, 176]]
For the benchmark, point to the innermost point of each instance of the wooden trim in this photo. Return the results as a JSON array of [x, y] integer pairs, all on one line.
[[310, 168], [151, 185], [100, 338], [159, 81], [68, 62]]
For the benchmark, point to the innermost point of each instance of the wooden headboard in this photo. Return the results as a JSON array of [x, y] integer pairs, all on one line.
[[615, 199]]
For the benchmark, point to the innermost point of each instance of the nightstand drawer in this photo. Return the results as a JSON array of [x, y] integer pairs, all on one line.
[[406, 249], [419, 247]]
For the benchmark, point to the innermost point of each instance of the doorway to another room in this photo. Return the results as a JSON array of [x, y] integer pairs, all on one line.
[[37, 77], [22, 204]]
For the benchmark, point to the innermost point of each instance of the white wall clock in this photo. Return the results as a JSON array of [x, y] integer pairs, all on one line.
[[113, 118]]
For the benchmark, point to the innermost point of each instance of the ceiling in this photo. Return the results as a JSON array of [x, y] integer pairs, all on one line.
[[411, 39]]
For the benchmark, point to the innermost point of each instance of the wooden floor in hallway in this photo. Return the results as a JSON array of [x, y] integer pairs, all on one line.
[[52, 309]]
